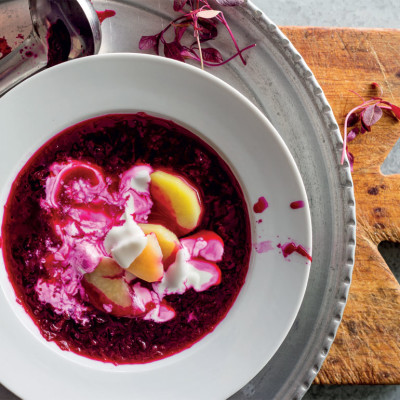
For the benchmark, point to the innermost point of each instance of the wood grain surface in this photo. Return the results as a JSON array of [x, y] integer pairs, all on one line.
[[367, 346]]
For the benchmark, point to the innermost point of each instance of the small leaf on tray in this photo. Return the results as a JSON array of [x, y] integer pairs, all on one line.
[[179, 4], [212, 55], [173, 50], [148, 42]]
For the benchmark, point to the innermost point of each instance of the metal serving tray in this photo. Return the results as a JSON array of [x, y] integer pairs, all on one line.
[[278, 81]]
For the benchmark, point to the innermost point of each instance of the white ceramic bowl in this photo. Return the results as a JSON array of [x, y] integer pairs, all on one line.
[[225, 360]]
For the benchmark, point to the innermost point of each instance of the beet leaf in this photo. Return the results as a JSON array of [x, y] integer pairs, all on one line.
[[148, 42], [179, 4], [371, 115]]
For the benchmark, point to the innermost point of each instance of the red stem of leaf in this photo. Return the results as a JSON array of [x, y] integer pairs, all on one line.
[[221, 18], [352, 91], [208, 64]]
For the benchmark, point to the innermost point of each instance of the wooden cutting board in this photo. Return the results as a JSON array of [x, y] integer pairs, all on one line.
[[367, 346]]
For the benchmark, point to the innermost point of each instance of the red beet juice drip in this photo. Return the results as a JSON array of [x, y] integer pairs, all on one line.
[[102, 15], [260, 206], [291, 247], [297, 204]]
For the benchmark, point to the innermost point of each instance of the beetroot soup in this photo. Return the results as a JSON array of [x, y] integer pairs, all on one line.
[[126, 238]]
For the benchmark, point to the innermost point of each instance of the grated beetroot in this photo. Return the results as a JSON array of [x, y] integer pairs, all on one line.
[[115, 143]]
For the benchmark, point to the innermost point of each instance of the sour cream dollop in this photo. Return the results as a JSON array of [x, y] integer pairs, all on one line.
[[125, 242]]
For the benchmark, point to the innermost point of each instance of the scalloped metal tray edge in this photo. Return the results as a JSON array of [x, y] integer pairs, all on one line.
[[281, 378]]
